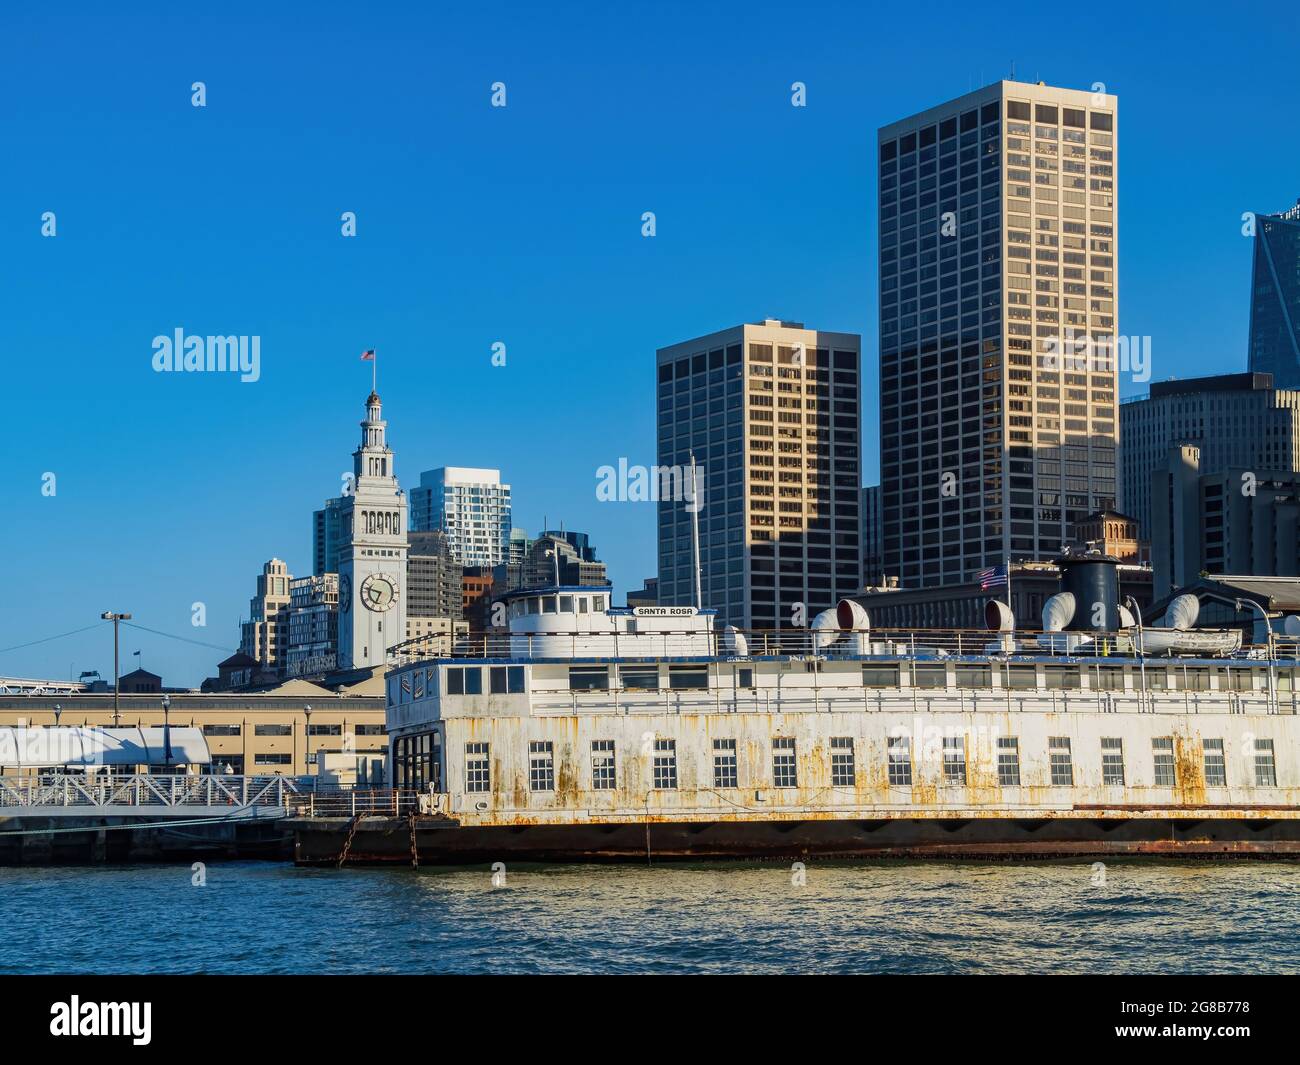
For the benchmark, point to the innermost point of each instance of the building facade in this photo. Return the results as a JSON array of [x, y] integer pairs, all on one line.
[[873, 560], [1275, 297], [471, 506], [998, 306], [433, 578], [1233, 420], [372, 551], [771, 412], [552, 558], [1237, 521], [264, 637], [253, 734], [326, 526], [313, 625]]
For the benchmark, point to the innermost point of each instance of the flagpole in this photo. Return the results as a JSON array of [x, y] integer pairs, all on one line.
[[1009, 606], [374, 370]]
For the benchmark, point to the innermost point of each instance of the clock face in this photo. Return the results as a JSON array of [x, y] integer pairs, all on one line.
[[345, 593], [379, 592]]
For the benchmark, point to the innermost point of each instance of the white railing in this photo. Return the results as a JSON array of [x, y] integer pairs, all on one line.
[[142, 790], [773, 700], [765, 643]]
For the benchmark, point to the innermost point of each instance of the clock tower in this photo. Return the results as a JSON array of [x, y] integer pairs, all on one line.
[[372, 551]]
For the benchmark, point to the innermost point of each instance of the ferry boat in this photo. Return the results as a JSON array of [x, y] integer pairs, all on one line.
[[593, 732]]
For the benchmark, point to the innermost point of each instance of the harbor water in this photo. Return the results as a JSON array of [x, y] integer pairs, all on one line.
[[251, 917]]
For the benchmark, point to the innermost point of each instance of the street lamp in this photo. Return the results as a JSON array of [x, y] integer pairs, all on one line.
[[167, 734], [1268, 627], [108, 615], [306, 711]]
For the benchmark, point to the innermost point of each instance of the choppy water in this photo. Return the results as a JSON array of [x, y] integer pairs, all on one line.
[[1147, 917]]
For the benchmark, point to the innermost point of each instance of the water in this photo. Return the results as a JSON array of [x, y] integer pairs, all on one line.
[[1151, 917]]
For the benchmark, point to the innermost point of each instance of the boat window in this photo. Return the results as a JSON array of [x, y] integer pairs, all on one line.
[[745, 678], [1238, 680], [507, 680], [1286, 680], [468, 681], [1057, 677], [1158, 678], [566, 604], [548, 605], [534, 606], [974, 677], [582, 604], [588, 678], [688, 677], [1110, 679], [642, 677], [1192, 680], [597, 603], [1020, 677], [929, 676], [880, 676]]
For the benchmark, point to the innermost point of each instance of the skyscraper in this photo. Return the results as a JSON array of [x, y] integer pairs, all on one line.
[[1233, 420], [772, 413], [471, 506], [1275, 298], [997, 268], [372, 551]]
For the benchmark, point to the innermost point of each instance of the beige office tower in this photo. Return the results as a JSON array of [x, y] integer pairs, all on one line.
[[772, 413], [998, 312]]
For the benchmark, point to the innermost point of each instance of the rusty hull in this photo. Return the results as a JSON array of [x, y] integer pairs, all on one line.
[[442, 841]]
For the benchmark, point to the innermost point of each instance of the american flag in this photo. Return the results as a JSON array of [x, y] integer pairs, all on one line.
[[368, 355], [993, 577]]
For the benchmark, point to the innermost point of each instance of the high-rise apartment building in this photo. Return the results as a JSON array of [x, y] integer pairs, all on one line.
[[1275, 297], [326, 535], [471, 506], [313, 625], [998, 305], [265, 635], [772, 413], [1233, 420], [873, 571], [433, 578]]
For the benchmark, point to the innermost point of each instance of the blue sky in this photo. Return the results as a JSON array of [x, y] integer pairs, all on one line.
[[519, 225]]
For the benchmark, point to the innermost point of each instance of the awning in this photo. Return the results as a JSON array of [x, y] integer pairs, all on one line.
[[40, 748]]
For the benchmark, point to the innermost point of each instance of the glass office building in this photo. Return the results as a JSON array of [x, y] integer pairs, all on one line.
[[1275, 298], [998, 309]]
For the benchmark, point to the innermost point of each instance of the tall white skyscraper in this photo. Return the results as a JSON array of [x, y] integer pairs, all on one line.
[[372, 551], [471, 506]]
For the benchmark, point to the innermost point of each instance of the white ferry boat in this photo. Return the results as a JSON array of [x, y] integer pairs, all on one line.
[[590, 732]]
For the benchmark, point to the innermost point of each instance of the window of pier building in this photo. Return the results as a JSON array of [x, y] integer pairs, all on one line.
[[541, 766], [478, 767], [1162, 755], [688, 677], [603, 773], [843, 773], [724, 763], [506, 680], [665, 765], [1062, 767], [785, 769], [1214, 762], [900, 761], [1112, 761], [954, 759]]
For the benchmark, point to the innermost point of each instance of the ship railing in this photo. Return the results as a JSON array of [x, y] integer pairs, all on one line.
[[359, 802], [138, 790], [771, 700], [792, 642]]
